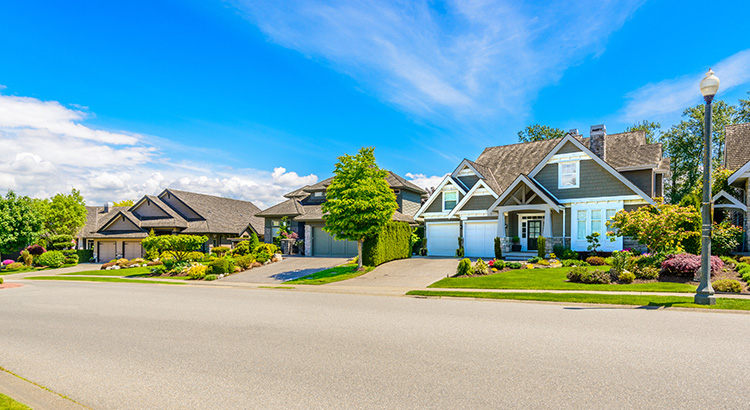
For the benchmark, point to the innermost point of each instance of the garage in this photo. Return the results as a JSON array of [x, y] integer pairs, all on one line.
[[106, 251], [324, 244], [479, 239], [442, 238], [132, 250]]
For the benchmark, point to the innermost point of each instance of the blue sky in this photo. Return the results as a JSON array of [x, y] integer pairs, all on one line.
[[250, 99]]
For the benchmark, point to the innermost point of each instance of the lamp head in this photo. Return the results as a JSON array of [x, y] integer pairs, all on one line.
[[709, 84]]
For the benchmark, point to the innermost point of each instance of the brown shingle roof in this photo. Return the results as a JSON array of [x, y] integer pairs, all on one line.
[[737, 151], [287, 208], [221, 215], [506, 162], [489, 176]]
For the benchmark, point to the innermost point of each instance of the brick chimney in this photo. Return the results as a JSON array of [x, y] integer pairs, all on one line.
[[597, 142]]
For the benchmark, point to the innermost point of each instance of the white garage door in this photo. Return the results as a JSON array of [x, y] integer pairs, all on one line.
[[133, 250], [107, 251], [479, 239], [442, 238]]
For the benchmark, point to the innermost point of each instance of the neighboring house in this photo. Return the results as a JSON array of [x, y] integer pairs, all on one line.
[[562, 189], [117, 231], [737, 159], [304, 214]]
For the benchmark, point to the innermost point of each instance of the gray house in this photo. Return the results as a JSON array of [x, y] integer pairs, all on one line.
[[737, 159], [562, 189], [303, 211], [117, 231]]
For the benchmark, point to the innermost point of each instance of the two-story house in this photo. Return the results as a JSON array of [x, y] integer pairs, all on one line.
[[562, 189], [303, 212], [737, 159]]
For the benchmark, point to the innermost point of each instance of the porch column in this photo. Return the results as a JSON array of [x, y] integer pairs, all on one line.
[[501, 225], [547, 231]]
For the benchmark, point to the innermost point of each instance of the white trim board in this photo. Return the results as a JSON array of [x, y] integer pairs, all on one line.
[[470, 194], [526, 180], [460, 167], [743, 172], [438, 190], [724, 194], [600, 199]]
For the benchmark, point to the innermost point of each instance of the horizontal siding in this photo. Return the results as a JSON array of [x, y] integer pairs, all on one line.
[[595, 182], [568, 148], [469, 180], [437, 205], [642, 179], [478, 202]]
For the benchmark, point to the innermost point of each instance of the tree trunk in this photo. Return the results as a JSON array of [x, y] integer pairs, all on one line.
[[359, 255]]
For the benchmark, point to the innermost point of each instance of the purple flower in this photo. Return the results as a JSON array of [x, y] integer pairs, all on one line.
[[7, 262]]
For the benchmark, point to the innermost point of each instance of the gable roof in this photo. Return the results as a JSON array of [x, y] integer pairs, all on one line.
[[737, 150], [545, 195], [394, 180], [521, 158], [220, 215], [448, 178]]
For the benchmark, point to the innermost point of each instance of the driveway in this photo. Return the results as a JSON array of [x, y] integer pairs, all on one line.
[[289, 268], [404, 274]]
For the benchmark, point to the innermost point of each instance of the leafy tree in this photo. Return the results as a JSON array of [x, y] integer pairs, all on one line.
[[652, 129], [179, 246], [20, 224], [64, 214], [359, 201], [538, 132], [719, 182], [124, 202], [662, 228], [743, 111]]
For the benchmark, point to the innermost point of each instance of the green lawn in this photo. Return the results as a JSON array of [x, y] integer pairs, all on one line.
[[139, 271], [339, 273], [551, 279], [637, 300], [101, 279], [30, 269], [6, 403]]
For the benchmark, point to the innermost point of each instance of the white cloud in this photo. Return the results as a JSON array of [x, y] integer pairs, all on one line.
[[46, 149], [470, 58], [424, 181], [674, 95]]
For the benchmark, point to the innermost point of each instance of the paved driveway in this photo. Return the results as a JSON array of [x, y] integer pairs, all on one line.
[[289, 268], [404, 274]]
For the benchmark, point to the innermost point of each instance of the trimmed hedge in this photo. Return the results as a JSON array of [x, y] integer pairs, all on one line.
[[393, 242]]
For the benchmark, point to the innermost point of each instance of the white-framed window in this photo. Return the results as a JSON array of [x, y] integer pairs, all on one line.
[[596, 221], [582, 219], [275, 225], [318, 194], [569, 174], [610, 214], [450, 200]]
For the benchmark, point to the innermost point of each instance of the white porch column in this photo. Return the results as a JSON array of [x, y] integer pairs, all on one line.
[[547, 231], [564, 227], [501, 225]]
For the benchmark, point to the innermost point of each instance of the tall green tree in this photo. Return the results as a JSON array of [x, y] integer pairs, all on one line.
[[743, 110], [652, 130], [124, 202], [359, 201], [64, 214], [538, 132], [20, 224]]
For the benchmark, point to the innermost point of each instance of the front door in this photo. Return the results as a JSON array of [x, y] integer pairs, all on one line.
[[535, 231]]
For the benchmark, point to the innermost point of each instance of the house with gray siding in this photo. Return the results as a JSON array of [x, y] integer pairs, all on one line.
[[735, 205], [562, 189], [303, 214]]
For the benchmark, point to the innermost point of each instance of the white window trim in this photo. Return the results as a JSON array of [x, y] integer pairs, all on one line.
[[559, 174], [318, 194], [457, 201]]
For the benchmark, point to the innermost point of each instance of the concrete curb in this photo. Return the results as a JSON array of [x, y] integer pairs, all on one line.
[[33, 395]]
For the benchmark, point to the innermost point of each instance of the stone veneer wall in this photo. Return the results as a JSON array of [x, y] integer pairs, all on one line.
[[308, 240], [630, 243]]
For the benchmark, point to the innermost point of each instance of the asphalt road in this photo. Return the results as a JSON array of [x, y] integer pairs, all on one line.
[[131, 346]]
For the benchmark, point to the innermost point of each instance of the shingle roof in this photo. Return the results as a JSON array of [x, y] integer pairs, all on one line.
[[737, 151], [489, 176], [286, 208], [398, 182], [314, 213], [221, 215], [629, 149]]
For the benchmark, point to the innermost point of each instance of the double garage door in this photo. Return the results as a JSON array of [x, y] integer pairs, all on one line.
[[109, 250], [326, 245], [479, 238]]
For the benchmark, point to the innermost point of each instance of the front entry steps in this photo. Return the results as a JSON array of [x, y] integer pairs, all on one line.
[[519, 256]]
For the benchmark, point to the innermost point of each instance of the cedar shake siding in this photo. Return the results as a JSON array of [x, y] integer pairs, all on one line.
[[642, 179], [410, 202], [437, 205], [595, 182]]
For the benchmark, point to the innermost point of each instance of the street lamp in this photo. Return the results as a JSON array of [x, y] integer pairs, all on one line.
[[705, 292]]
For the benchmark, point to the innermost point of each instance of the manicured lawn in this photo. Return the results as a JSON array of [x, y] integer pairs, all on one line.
[[100, 279], [339, 273], [552, 279], [6, 403], [139, 271], [31, 269], [637, 300]]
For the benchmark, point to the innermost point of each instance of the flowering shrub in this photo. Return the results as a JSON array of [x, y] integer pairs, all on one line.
[[290, 235], [686, 264], [497, 264], [35, 249], [14, 265], [583, 275], [480, 267], [626, 277], [662, 228], [725, 238], [7, 262]]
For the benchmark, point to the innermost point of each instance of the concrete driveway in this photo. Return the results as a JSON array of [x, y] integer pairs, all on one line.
[[291, 267], [404, 274]]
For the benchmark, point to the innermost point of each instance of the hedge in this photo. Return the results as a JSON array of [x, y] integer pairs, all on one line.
[[84, 255], [392, 243]]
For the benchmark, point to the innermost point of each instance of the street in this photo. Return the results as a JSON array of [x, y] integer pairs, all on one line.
[[141, 346]]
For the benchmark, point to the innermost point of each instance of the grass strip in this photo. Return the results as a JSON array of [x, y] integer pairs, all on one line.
[[112, 272], [335, 274], [633, 300], [100, 279], [553, 279], [7, 403], [276, 287]]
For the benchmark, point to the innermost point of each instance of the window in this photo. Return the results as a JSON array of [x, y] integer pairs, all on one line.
[[450, 199], [596, 220], [582, 217], [569, 174], [318, 194], [275, 225]]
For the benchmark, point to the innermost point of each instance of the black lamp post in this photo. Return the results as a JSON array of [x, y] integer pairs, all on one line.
[[705, 292]]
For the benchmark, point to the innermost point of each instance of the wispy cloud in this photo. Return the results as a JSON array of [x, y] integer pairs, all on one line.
[[48, 148], [674, 95], [461, 58], [425, 181]]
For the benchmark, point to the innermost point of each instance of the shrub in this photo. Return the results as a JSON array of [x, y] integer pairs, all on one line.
[[464, 268], [52, 259], [269, 248], [543, 262], [626, 277], [27, 258], [460, 250], [36, 249], [595, 261], [573, 262], [194, 256], [481, 268], [593, 241], [558, 250], [158, 270], [541, 247], [60, 242], [14, 265], [262, 257], [685, 264], [122, 262], [497, 264], [535, 259], [245, 262], [514, 265], [746, 277], [210, 277], [242, 248], [646, 272], [621, 261], [745, 259], [725, 238], [85, 255], [219, 250], [154, 263], [219, 266], [731, 262], [569, 254], [583, 275], [742, 268], [137, 261], [7, 262], [71, 260], [498, 248], [727, 285], [1, 281], [107, 265], [197, 272], [391, 243]]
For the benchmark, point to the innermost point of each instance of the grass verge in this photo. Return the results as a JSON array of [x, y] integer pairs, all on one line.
[[114, 272], [100, 279], [7, 403], [552, 279], [336, 274], [633, 300]]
